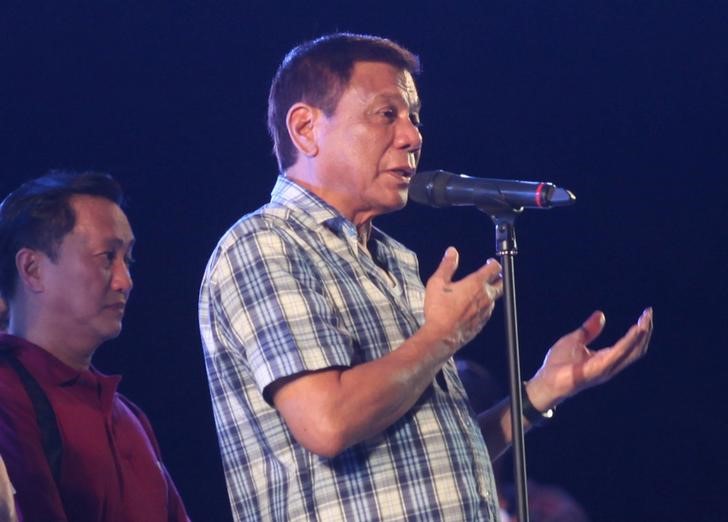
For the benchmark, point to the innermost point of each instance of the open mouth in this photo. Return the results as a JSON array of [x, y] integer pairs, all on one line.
[[405, 173]]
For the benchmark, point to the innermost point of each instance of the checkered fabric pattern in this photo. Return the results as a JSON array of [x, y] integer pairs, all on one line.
[[288, 290]]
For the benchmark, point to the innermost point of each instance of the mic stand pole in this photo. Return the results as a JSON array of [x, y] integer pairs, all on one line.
[[504, 217]]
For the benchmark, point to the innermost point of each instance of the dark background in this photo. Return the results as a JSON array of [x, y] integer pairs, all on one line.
[[624, 103]]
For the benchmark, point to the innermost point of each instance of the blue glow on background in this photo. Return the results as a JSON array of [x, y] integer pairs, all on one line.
[[622, 102]]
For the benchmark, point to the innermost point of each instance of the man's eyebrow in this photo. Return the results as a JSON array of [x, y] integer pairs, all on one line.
[[119, 242], [399, 99]]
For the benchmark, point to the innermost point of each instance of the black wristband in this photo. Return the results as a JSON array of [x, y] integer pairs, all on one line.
[[531, 414]]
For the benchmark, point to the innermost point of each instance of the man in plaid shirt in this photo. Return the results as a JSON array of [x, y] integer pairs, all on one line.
[[330, 364]]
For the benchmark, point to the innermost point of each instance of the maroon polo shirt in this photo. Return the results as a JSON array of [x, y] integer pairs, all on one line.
[[110, 467]]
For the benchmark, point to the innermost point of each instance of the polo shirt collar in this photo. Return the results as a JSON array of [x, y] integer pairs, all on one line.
[[291, 195], [48, 369]]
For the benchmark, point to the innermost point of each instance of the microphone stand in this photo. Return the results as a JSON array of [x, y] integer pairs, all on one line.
[[504, 217], [441, 189]]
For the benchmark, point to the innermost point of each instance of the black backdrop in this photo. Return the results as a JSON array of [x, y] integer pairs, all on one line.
[[622, 102]]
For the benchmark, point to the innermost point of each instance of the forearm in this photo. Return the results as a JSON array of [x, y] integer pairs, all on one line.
[[396, 382], [332, 410], [496, 424]]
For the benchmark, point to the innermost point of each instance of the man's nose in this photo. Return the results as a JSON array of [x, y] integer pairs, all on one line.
[[122, 281], [409, 136]]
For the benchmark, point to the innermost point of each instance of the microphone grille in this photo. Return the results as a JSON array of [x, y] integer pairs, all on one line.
[[428, 188]]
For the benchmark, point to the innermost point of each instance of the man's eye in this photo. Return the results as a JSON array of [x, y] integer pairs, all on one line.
[[129, 260], [390, 114], [415, 119]]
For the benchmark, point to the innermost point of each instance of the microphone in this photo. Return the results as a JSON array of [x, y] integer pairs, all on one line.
[[438, 188]]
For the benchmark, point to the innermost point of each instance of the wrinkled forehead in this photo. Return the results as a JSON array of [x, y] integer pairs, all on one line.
[[384, 79]]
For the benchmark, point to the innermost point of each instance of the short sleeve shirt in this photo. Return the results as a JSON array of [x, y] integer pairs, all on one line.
[[287, 290], [110, 469]]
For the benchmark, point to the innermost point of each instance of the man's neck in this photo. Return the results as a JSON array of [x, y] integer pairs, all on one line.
[[75, 356], [331, 195], [363, 232]]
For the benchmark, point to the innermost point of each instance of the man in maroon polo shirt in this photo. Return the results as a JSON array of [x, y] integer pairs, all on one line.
[[75, 449]]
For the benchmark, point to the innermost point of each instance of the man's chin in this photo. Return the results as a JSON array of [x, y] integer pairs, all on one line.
[[112, 332], [397, 202]]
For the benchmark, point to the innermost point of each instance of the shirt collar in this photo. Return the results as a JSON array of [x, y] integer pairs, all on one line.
[[292, 196], [48, 369]]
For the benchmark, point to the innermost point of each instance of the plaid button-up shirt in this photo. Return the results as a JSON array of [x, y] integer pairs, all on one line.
[[288, 290]]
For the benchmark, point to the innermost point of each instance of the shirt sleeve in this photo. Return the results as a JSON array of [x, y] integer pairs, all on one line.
[[268, 295]]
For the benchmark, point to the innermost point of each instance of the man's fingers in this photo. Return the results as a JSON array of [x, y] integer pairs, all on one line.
[[592, 327], [634, 343], [491, 271], [631, 347], [645, 320], [448, 265], [489, 275]]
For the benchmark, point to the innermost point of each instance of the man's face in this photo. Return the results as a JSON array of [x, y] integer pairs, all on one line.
[[85, 290], [370, 146]]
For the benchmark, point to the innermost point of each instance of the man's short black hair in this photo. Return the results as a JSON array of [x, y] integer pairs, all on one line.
[[38, 214], [317, 72]]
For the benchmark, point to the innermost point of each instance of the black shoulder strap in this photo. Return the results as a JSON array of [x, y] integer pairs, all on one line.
[[46, 417]]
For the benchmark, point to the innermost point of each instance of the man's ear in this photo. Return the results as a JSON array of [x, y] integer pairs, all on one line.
[[28, 263], [300, 121]]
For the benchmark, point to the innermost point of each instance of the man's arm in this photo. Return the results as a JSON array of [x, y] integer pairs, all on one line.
[[569, 368], [333, 409]]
